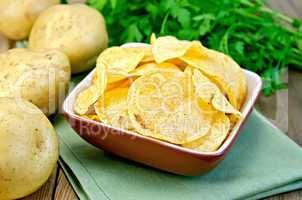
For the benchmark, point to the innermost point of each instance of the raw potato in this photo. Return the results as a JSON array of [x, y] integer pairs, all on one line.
[[39, 77], [18, 16], [28, 148], [77, 30]]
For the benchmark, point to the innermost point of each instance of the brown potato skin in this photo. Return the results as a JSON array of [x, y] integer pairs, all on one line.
[[77, 30], [18, 16], [28, 148], [39, 77]]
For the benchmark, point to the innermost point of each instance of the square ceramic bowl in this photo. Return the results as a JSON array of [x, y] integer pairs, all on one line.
[[153, 152]]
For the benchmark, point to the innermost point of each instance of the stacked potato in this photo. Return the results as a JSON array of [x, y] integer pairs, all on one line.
[[41, 77], [28, 148], [77, 30], [176, 91], [17, 17], [34, 80]]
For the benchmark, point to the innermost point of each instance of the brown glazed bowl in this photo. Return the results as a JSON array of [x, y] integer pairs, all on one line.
[[150, 151]]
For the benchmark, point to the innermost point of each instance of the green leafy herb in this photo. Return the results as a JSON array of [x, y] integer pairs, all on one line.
[[258, 38]]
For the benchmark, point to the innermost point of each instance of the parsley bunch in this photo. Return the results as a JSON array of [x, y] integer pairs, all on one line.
[[258, 38]]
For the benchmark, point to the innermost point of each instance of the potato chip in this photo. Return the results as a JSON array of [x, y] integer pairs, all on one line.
[[178, 62], [185, 125], [112, 97], [92, 117], [152, 38], [120, 84], [89, 96], [113, 84], [112, 108], [168, 47], [173, 90], [208, 92], [148, 56], [112, 65], [189, 71], [220, 103], [217, 134], [120, 59], [204, 88], [153, 67], [85, 99], [221, 69], [94, 78], [115, 75], [162, 106]]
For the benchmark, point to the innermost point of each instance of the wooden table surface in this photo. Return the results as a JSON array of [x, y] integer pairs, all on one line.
[[284, 109]]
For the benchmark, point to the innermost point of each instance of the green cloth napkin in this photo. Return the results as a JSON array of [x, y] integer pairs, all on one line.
[[262, 162]]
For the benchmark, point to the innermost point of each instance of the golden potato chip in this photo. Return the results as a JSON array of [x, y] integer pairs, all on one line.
[[112, 108], [153, 67], [152, 38], [233, 120], [94, 78], [220, 103], [113, 65], [185, 125], [179, 63], [208, 92], [115, 75], [85, 99], [101, 76], [204, 88], [221, 69], [148, 55], [113, 84], [92, 117], [215, 137], [89, 96], [120, 59], [111, 97], [120, 84], [202, 102], [168, 47], [173, 90], [189, 71], [162, 106]]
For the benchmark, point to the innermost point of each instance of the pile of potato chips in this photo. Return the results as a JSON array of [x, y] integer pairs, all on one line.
[[173, 90]]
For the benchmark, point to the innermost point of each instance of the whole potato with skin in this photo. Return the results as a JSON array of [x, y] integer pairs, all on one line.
[[28, 148], [77, 30], [18, 16], [39, 77]]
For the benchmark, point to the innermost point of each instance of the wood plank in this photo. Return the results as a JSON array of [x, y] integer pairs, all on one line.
[[64, 189], [296, 195], [287, 7], [294, 113], [295, 106], [297, 4]]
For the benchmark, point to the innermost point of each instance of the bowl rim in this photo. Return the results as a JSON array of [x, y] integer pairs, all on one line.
[[226, 145]]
